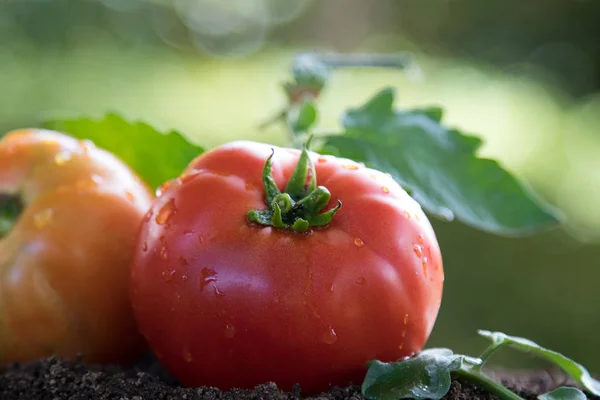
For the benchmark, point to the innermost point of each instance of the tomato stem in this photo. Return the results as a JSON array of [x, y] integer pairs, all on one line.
[[299, 206], [11, 206]]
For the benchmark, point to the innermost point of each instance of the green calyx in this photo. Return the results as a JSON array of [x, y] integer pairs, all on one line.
[[11, 207], [299, 207]]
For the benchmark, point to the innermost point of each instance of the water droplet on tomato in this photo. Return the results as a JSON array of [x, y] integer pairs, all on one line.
[[165, 212], [250, 186], [43, 218], [207, 275], [229, 331], [200, 240], [164, 187], [405, 319], [401, 346], [183, 262], [351, 167], [218, 293], [385, 189], [322, 159], [188, 232], [188, 177], [86, 146], [331, 288], [417, 217], [89, 183], [187, 356], [168, 274], [145, 247], [360, 281], [421, 239], [425, 261], [130, 196], [330, 337], [164, 253], [148, 215], [62, 158], [407, 214], [358, 242], [185, 278], [418, 250]]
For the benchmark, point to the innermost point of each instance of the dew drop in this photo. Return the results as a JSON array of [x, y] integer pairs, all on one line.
[[425, 261], [250, 186], [229, 331], [187, 356], [166, 211], [130, 196], [200, 240], [168, 274], [405, 319], [207, 275], [183, 262], [351, 167], [218, 293], [185, 278], [421, 239], [330, 337], [404, 332], [418, 250], [164, 253], [322, 159], [148, 215], [401, 346], [188, 232], [358, 242], [89, 183], [385, 189], [360, 281], [86, 146], [188, 176], [145, 247], [164, 187], [331, 288], [407, 214], [62, 158], [43, 218]]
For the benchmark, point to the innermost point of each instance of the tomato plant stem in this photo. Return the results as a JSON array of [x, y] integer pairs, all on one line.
[[11, 207], [474, 375]]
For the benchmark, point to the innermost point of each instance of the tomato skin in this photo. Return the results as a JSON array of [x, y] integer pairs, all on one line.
[[226, 303], [65, 264]]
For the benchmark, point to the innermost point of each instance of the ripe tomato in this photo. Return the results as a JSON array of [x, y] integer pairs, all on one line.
[[227, 300], [69, 214]]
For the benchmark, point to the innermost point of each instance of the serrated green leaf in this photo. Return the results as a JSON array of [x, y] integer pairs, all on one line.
[[439, 167], [564, 393], [424, 376], [573, 369], [154, 156]]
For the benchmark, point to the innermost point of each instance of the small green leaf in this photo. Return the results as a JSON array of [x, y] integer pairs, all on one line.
[[573, 369], [302, 118], [424, 376], [439, 167], [154, 156], [564, 393]]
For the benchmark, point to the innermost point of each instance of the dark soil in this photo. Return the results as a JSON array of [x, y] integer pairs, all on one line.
[[57, 379]]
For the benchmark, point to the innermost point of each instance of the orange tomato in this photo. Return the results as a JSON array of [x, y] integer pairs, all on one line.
[[69, 213]]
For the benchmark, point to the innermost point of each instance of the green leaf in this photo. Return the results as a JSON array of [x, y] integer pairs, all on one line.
[[302, 118], [564, 393], [424, 376], [156, 157], [573, 369], [439, 167]]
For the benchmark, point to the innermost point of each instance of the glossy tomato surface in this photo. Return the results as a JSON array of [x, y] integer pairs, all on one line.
[[65, 262], [229, 303]]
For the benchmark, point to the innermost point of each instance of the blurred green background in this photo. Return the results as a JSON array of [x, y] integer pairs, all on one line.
[[523, 75]]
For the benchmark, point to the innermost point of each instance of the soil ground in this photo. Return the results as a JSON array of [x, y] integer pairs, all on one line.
[[58, 379]]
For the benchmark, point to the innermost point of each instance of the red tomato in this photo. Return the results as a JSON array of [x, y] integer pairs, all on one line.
[[227, 302]]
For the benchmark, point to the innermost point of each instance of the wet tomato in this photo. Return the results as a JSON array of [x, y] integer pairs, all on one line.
[[289, 267], [69, 213]]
